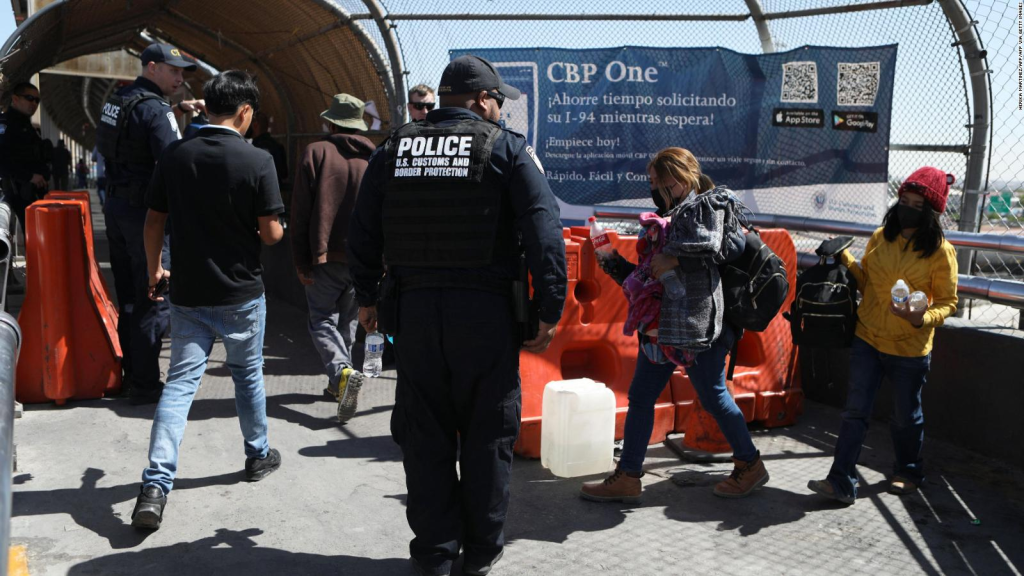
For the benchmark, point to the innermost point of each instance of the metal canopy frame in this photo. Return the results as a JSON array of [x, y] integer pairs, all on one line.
[[274, 80], [393, 74], [123, 33]]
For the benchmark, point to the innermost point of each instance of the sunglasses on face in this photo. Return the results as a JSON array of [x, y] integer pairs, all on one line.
[[30, 98], [422, 105], [498, 97]]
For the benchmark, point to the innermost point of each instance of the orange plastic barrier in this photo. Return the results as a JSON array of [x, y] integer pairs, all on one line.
[[70, 348], [589, 343], [94, 269]]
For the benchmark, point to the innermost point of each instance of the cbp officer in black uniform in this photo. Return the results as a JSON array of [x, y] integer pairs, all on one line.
[[23, 167], [136, 124], [446, 205]]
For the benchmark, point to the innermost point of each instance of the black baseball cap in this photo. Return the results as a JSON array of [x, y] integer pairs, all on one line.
[[168, 55], [471, 73]]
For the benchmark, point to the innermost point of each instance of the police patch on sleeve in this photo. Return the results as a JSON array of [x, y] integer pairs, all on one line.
[[174, 123], [440, 156], [533, 154]]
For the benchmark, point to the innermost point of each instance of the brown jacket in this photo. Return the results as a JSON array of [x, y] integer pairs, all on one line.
[[326, 185]]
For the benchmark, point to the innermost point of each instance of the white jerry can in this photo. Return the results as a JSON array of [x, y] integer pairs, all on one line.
[[577, 428]]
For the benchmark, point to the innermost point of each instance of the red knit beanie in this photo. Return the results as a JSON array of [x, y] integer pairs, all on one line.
[[931, 183]]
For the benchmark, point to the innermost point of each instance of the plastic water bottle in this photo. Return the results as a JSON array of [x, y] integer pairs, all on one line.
[[673, 285], [373, 363], [900, 294], [599, 236], [918, 301]]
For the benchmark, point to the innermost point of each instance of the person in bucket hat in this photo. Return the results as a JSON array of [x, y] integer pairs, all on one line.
[[346, 111], [330, 172]]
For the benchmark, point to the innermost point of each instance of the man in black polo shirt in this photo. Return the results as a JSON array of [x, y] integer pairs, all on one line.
[[224, 198]]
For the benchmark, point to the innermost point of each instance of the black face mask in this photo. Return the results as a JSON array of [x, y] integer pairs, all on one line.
[[659, 202], [909, 217]]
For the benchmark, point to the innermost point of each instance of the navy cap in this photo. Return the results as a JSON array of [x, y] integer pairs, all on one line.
[[468, 74], [168, 55]]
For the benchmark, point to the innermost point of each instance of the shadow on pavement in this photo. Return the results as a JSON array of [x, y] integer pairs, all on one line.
[[965, 519], [372, 448], [967, 527], [279, 407], [234, 552], [92, 507], [548, 509], [967, 513]]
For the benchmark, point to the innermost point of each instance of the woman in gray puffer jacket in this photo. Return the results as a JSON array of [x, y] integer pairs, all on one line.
[[700, 236]]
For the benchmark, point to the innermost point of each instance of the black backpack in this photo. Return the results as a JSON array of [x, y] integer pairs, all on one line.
[[824, 311], [754, 285]]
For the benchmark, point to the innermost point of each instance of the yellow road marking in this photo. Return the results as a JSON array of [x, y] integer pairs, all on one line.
[[17, 561]]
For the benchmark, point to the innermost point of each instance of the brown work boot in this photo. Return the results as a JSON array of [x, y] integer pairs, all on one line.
[[745, 478], [619, 487]]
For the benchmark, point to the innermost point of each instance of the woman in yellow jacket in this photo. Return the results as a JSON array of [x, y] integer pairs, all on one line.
[[891, 340]]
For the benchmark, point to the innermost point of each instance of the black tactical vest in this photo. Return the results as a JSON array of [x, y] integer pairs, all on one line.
[[112, 136], [442, 202]]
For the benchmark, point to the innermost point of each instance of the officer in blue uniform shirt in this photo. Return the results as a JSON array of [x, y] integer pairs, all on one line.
[[447, 205], [136, 124], [23, 163]]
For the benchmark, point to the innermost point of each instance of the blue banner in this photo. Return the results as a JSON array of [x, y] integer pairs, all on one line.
[[803, 132]]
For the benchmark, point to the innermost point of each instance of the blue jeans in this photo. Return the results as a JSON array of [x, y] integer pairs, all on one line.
[[708, 377], [908, 375], [241, 327]]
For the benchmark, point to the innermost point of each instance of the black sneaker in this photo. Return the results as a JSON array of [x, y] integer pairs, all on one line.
[[256, 469], [140, 397], [149, 508], [421, 570], [481, 569]]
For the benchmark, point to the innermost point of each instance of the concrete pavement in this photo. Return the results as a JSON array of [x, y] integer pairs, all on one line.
[[337, 504]]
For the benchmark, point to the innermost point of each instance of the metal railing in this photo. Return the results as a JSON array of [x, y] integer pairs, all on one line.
[[1005, 292], [995, 290], [10, 344], [7, 237], [975, 241]]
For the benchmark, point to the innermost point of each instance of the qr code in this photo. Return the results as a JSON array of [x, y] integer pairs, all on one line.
[[799, 82], [858, 83]]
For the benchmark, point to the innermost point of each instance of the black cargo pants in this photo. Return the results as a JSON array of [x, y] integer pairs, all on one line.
[[458, 402]]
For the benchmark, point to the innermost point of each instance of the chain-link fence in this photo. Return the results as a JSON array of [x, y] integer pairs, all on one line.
[[998, 25], [931, 109]]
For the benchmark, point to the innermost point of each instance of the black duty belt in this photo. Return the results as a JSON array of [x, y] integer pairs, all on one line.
[[120, 191], [499, 286]]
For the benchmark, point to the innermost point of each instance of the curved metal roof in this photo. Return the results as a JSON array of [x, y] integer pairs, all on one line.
[[302, 52]]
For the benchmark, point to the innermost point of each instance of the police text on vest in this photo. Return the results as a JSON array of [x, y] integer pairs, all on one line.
[[442, 156]]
